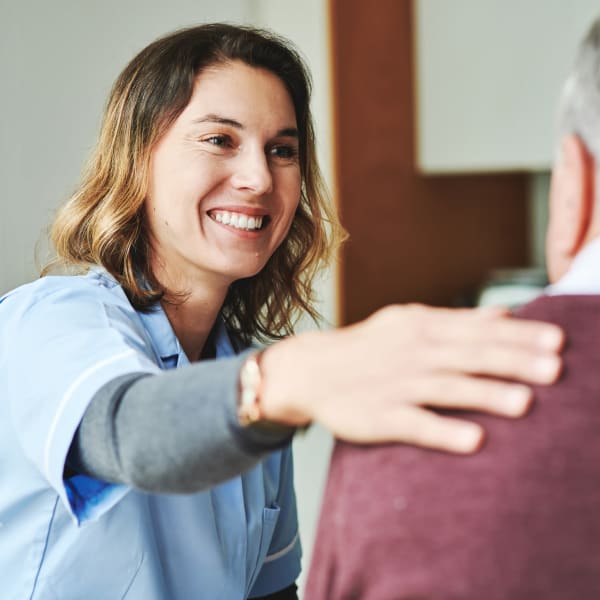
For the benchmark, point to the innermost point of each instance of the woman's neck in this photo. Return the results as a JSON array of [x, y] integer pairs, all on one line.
[[193, 318], [192, 308]]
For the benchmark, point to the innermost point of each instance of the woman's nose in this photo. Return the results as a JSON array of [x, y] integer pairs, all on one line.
[[252, 172]]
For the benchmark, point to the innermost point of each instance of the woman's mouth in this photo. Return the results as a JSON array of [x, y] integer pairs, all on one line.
[[239, 220]]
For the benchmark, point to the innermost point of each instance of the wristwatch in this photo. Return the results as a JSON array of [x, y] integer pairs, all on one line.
[[249, 413], [250, 383]]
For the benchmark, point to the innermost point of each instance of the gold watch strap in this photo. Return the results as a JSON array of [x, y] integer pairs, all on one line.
[[249, 413], [250, 383]]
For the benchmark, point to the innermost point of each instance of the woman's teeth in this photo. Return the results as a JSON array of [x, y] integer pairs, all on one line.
[[238, 220]]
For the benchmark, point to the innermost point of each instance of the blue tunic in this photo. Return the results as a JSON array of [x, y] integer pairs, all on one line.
[[61, 340]]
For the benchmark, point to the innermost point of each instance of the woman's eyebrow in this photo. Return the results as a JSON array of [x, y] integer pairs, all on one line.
[[288, 132], [214, 118]]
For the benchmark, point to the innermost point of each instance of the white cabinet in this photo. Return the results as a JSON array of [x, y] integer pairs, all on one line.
[[488, 78]]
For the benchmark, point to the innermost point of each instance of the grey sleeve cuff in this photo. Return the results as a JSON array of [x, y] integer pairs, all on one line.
[[175, 432]]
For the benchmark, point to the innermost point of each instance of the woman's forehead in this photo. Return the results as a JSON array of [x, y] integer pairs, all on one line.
[[242, 93]]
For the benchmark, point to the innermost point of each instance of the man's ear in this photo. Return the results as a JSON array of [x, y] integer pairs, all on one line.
[[571, 205]]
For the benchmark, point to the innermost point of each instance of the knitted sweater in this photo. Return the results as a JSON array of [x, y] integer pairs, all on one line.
[[519, 520]]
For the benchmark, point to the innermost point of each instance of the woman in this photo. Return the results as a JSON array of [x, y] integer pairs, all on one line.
[[148, 453]]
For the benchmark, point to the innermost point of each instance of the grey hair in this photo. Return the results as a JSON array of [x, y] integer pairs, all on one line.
[[579, 107]]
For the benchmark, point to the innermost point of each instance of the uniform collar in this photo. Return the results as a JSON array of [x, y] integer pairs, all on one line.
[[163, 337], [164, 340], [167, 345]]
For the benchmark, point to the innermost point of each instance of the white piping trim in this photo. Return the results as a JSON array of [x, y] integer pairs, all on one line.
[[66, 399], [272, 557]]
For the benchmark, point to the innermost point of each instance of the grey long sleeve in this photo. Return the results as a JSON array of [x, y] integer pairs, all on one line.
[[175, 432]]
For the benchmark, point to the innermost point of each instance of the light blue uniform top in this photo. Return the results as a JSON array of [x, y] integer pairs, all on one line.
[[61, 339]]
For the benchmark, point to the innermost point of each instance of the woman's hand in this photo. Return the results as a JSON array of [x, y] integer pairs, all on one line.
[[374, 381]]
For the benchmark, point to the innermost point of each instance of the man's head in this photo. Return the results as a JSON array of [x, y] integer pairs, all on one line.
[[574, 199]]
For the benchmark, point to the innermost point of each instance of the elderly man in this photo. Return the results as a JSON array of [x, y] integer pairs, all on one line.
[[520, 520]]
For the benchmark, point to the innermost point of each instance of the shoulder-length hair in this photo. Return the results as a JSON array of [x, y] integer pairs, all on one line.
[[103, 222]]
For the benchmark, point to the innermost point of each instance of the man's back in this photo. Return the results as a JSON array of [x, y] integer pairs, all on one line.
[[518, 520]]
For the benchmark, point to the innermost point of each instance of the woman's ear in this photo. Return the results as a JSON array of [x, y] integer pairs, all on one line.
[[571, 205]]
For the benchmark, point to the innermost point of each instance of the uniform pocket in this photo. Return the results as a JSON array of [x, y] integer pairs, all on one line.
[[270, 516]]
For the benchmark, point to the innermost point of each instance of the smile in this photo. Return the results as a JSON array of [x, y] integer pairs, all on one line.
[[237, 220]]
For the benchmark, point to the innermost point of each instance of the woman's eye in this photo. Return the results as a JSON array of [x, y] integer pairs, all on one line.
[[220, 141], [284, 152]]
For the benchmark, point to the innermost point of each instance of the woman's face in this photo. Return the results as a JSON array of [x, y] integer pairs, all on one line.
[[225, 178]]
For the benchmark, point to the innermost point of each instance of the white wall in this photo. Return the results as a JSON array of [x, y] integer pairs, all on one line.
[[57, 62], [489, 75]]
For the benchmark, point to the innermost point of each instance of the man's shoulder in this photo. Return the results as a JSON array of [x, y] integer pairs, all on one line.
[[561, 301], [564, 309]]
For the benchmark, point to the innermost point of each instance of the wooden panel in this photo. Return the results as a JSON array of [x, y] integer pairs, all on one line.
[[413, 238]]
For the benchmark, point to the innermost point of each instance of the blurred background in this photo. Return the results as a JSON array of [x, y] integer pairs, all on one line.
[[435, 128]]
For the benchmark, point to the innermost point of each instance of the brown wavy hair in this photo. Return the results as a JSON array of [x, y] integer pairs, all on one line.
[[103, 222]]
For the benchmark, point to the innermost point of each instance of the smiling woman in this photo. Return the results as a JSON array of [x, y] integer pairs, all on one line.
[[213, 175], [199, 225], [202, 99], [241, 165], [150, 455]]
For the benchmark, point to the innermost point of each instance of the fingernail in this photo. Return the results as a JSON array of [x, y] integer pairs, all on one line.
[[470, 438], [551, 339], [547, 368], [518, 400]]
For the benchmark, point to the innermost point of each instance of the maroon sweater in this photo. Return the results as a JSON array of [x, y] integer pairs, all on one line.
[[520, 520]]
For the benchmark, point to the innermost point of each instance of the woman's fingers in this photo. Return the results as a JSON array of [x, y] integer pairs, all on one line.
[[418, 338], [469, 393], [407, 418], [508, 330], [430, 430], [468, 326], [376, 381], [496, 360], [417, 426]]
